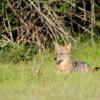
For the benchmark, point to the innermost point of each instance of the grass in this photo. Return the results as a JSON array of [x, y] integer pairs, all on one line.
[[38, 80]]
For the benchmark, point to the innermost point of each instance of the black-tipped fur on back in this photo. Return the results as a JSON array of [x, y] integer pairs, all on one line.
[[81, 66]]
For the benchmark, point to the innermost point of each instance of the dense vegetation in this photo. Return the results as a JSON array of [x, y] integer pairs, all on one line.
[[31, 26]]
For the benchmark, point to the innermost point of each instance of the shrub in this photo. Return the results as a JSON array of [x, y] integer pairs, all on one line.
[[13, 52]]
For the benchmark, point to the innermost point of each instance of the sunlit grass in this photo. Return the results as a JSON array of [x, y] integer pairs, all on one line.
[[38, 80]]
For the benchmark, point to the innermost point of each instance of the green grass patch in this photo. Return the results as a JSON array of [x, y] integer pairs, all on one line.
[[38, 80]]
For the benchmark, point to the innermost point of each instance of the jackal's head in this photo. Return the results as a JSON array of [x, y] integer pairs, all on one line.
[[62, 52]]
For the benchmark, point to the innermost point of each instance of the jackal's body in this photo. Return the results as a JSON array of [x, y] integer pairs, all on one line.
[[65, 64]]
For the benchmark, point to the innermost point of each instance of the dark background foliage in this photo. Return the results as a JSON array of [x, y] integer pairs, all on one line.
[[31, 26]]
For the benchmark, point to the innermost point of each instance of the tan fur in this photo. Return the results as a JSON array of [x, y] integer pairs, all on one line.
[[63, 54]]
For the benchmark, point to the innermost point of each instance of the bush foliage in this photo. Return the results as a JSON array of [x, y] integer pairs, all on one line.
[[30, 26]]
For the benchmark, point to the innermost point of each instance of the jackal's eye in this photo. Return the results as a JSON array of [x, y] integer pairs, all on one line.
[[61, 53]]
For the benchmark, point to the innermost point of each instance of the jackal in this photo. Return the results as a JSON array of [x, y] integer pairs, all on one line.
[[65, 64]]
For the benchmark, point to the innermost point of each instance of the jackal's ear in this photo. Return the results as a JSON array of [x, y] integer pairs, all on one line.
[[69, 47], [56, 46]]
